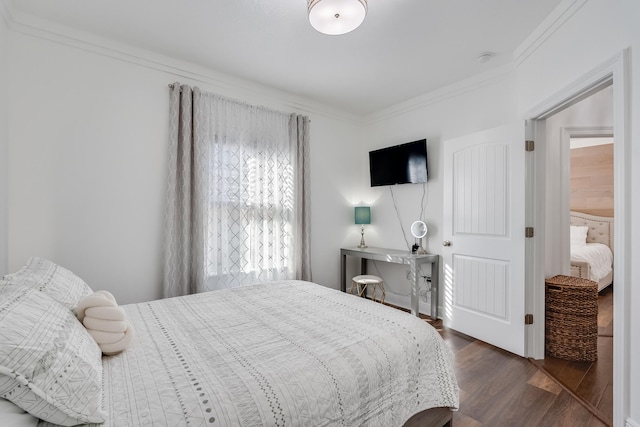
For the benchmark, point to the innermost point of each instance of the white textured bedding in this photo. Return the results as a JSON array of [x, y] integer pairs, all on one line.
[[282, 354], [11, 415], [598, 255]]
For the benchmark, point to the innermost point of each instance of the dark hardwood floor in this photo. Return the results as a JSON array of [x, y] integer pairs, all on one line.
[[498, 388], [592, 382]]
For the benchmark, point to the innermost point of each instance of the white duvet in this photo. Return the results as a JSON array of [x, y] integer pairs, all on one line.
[[598, 255], [282, 354]]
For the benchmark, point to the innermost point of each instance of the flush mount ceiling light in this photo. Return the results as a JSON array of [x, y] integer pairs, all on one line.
[[335, 17]]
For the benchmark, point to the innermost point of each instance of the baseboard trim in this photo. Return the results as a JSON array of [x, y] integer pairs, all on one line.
[[631, 423]]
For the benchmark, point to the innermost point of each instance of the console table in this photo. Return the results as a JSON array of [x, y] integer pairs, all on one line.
[[398, 257]]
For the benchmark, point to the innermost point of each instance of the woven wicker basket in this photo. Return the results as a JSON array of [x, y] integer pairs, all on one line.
[[571, 328]]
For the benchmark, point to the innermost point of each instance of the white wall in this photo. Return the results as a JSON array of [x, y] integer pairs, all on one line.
[[88, 164], [592, 112], [334, 187], [4, 142], [598, 31], [467, 107]]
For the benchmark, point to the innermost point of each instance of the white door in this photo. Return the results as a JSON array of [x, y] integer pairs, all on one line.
[[484, 236]]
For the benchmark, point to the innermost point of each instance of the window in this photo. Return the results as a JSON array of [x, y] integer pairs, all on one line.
[[251, 213], [238, 198]]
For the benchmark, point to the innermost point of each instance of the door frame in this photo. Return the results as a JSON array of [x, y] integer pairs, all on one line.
[[615, 71]]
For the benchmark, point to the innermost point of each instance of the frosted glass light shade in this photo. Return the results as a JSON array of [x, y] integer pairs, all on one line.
[[335, 17]]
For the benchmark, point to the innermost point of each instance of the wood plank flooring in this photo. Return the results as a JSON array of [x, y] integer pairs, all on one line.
[[591, 381], [498, 388]]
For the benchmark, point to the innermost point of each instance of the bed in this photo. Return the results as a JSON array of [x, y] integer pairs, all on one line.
[[288, 353], [592, 248]]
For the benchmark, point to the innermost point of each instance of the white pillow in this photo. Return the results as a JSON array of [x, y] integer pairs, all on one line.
[[49, 364], [578, 235], [55, 281]]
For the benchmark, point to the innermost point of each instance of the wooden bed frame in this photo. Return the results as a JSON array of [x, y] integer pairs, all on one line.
[[434, 417], [600, 231]]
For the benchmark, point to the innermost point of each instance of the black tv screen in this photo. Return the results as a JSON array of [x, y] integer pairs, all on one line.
[[400, 164]]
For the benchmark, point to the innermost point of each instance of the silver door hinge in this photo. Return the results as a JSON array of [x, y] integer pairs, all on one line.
[[528, 232], [529, 145], [528, 319]]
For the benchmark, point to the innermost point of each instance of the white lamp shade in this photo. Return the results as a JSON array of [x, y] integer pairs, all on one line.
[[335, 17]]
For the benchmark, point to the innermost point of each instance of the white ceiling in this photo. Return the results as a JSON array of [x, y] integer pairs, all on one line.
[[403, 49]]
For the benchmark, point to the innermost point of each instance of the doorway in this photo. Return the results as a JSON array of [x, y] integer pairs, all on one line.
[[613, 73], [581, 137]]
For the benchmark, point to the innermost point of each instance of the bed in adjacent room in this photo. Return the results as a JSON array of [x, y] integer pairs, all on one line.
[[284, 353], [592, 248]]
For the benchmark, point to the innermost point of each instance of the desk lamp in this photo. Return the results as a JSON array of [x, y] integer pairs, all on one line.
[[362, 216]]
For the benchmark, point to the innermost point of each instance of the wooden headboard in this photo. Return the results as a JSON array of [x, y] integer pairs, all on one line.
[[592, 180], [600, 227]]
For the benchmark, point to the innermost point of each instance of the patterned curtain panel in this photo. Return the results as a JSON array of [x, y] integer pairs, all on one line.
[[238, 201]]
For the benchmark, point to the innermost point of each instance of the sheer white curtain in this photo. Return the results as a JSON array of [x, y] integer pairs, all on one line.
[[238, 199]]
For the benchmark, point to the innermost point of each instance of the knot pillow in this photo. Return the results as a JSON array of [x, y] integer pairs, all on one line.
[[105, 322]]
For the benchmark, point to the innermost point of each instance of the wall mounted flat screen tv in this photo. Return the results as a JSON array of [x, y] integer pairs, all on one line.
[[400, 164]]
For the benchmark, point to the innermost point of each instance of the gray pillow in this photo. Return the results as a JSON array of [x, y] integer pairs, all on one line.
[[49, 364], [51, 279]]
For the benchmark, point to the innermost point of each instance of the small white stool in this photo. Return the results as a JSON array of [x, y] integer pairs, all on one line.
[[360, 284]]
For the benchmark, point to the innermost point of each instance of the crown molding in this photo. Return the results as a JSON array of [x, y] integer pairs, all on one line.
[[227, 84], [561, 14], [256, 92], [447, 92], [5, 12]]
